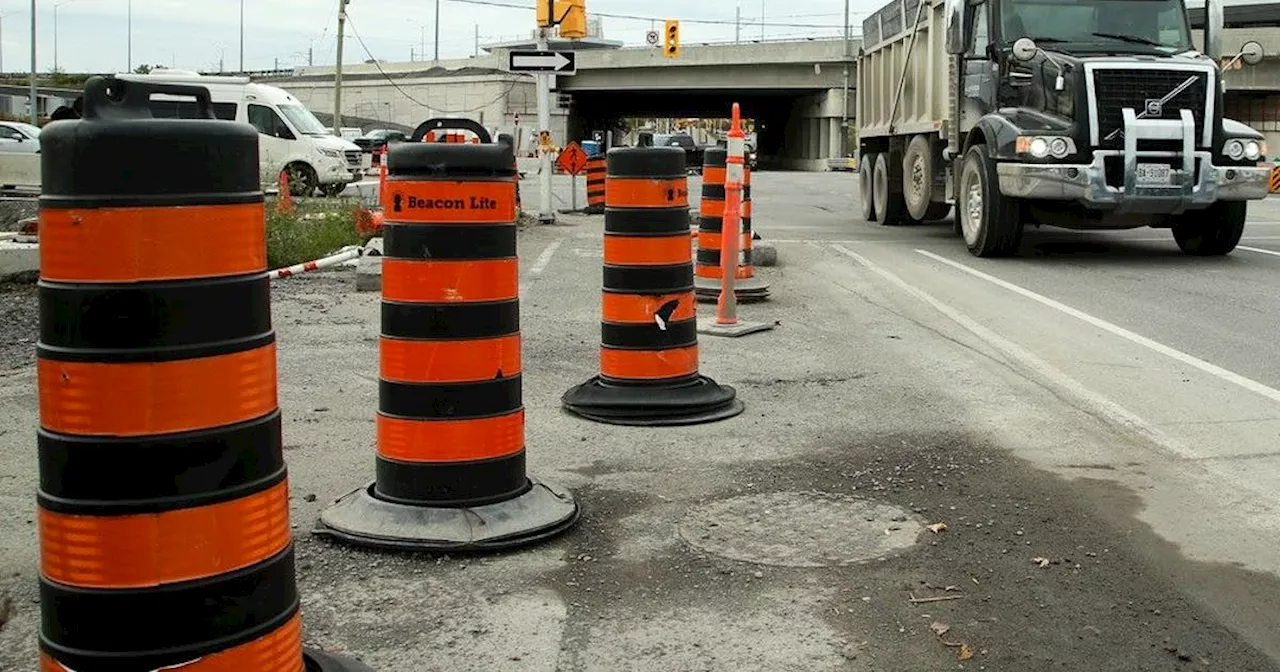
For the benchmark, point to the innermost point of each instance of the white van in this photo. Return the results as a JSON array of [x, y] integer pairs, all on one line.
[[290, 136]]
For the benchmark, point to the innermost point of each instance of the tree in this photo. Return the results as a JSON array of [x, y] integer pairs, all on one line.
[[143, 69]]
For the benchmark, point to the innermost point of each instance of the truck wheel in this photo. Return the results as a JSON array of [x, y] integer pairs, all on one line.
[[917, 177], [990, 222], [1211, 232], [865, 191], [302, 180], [332, 190], [889, 204]]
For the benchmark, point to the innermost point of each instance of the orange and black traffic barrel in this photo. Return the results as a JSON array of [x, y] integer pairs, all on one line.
[[596, 172], [450, 462], [649, 327], [747, 286], [163, 502]]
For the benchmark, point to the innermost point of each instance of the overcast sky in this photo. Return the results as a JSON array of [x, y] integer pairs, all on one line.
[[195, 34]]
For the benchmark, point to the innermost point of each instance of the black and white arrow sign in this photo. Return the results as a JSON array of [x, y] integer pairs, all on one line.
[[558, 62]]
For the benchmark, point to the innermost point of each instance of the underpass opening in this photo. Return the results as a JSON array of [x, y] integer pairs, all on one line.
[[789, 136]]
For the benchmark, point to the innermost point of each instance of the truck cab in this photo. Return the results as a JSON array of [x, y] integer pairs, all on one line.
[[1083, 114]]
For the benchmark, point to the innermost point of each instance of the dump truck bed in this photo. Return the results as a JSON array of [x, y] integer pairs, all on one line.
[[890, 49]]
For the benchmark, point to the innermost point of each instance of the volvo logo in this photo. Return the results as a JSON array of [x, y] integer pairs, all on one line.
[[1155, 107]]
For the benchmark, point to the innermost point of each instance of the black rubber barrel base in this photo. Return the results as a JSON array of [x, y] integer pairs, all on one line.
[[318, 661], [362, 519], [701, 401], [748, 290]]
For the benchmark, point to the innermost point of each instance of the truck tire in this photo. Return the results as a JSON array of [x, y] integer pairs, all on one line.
[[917, 177], [990, 222], [1211, 232], [865, 191], [889, 204]]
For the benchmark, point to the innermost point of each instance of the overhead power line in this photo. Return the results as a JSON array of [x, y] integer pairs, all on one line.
[[634, 17]]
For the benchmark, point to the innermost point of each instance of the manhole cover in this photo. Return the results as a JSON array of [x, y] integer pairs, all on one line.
[[795, 529]]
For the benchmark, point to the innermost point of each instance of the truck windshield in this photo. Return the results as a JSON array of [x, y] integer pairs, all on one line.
[[303, 120], [1131, 24]]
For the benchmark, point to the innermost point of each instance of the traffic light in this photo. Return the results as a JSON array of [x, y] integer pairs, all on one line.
[[572, 16], [546, 13], [671, 48]]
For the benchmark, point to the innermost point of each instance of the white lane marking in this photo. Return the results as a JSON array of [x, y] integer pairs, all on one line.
[[1098, 404], [539, 265], [1259, 250], [1173, 353]]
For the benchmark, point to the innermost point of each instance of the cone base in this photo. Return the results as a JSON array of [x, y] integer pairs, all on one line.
[[318, 661], [362, 519], [749, 290], [694, 403], [709, 326]]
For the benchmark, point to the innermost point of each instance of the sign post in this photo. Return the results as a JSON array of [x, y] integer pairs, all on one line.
[[573, 160]]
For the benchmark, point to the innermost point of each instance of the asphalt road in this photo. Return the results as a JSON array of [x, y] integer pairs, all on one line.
[[1094, 422]]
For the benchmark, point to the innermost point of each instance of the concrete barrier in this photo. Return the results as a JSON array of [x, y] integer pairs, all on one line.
[[20, 170]]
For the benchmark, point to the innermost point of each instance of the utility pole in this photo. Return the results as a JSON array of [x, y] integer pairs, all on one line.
[[242, 39], [128, 40], [844, 110], [1, 45], [311, 55], [411, 58], [477, 52], [545, 213], [437, 38], [337, 73], [737, 24], [762, 20], [422, 41], [35, 112]]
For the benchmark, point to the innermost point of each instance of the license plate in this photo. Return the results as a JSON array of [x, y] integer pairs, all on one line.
[[1154, 175]]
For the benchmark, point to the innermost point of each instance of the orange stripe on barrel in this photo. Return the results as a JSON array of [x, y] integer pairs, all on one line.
[[713, 175], [277, 651], [646, 250], [711, 207], [641, 309], [648, 364], [472, 202], [450, 440], [636, 192], [450, 281], [155, 243], [153, 549], [138, 399], [449, 361]]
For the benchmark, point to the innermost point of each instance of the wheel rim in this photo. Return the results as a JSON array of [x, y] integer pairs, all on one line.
[[864, 185], [917, 180], [880, 183], [300, 178], [971, 213]]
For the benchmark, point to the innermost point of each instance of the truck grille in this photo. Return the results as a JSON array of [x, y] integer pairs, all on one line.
[[354, 158], [1118, 89]]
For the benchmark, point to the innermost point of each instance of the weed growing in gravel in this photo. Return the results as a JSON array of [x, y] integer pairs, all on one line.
[[311, 231]]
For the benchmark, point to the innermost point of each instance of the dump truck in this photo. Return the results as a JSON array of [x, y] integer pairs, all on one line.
[[1081, 114]]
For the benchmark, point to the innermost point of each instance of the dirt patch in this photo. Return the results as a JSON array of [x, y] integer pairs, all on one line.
[[19, 324]]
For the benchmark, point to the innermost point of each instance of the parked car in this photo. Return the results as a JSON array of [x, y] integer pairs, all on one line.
[[19, 138], [692, 151], [348, 132], [377, 138]]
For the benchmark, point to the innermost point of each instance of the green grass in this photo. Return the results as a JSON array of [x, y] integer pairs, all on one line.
[[328, 226]]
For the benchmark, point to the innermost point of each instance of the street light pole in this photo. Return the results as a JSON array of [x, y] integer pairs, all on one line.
[[35, 113], [129, 40], [241, 35], [437, 38]]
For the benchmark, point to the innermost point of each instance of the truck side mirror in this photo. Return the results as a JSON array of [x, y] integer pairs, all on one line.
[[1025, 49], [1251, 52], [956, 28], [1213, 26]]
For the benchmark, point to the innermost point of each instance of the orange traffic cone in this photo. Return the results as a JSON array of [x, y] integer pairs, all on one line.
[[284, 204]]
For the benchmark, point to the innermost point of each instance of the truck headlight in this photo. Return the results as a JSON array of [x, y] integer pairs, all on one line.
[[1252, 150], [1234, 149], [1043, 146], [331, 153]]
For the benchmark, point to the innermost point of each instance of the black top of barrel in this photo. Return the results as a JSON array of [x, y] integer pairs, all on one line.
[[118, 152], [438, 159], [658, 162], [716, 157]]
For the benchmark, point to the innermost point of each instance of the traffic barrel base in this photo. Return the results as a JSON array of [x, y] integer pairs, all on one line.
[[748, 290], [319, 661], [649, 337], [450, 461], [696, 402], [362, 518]]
